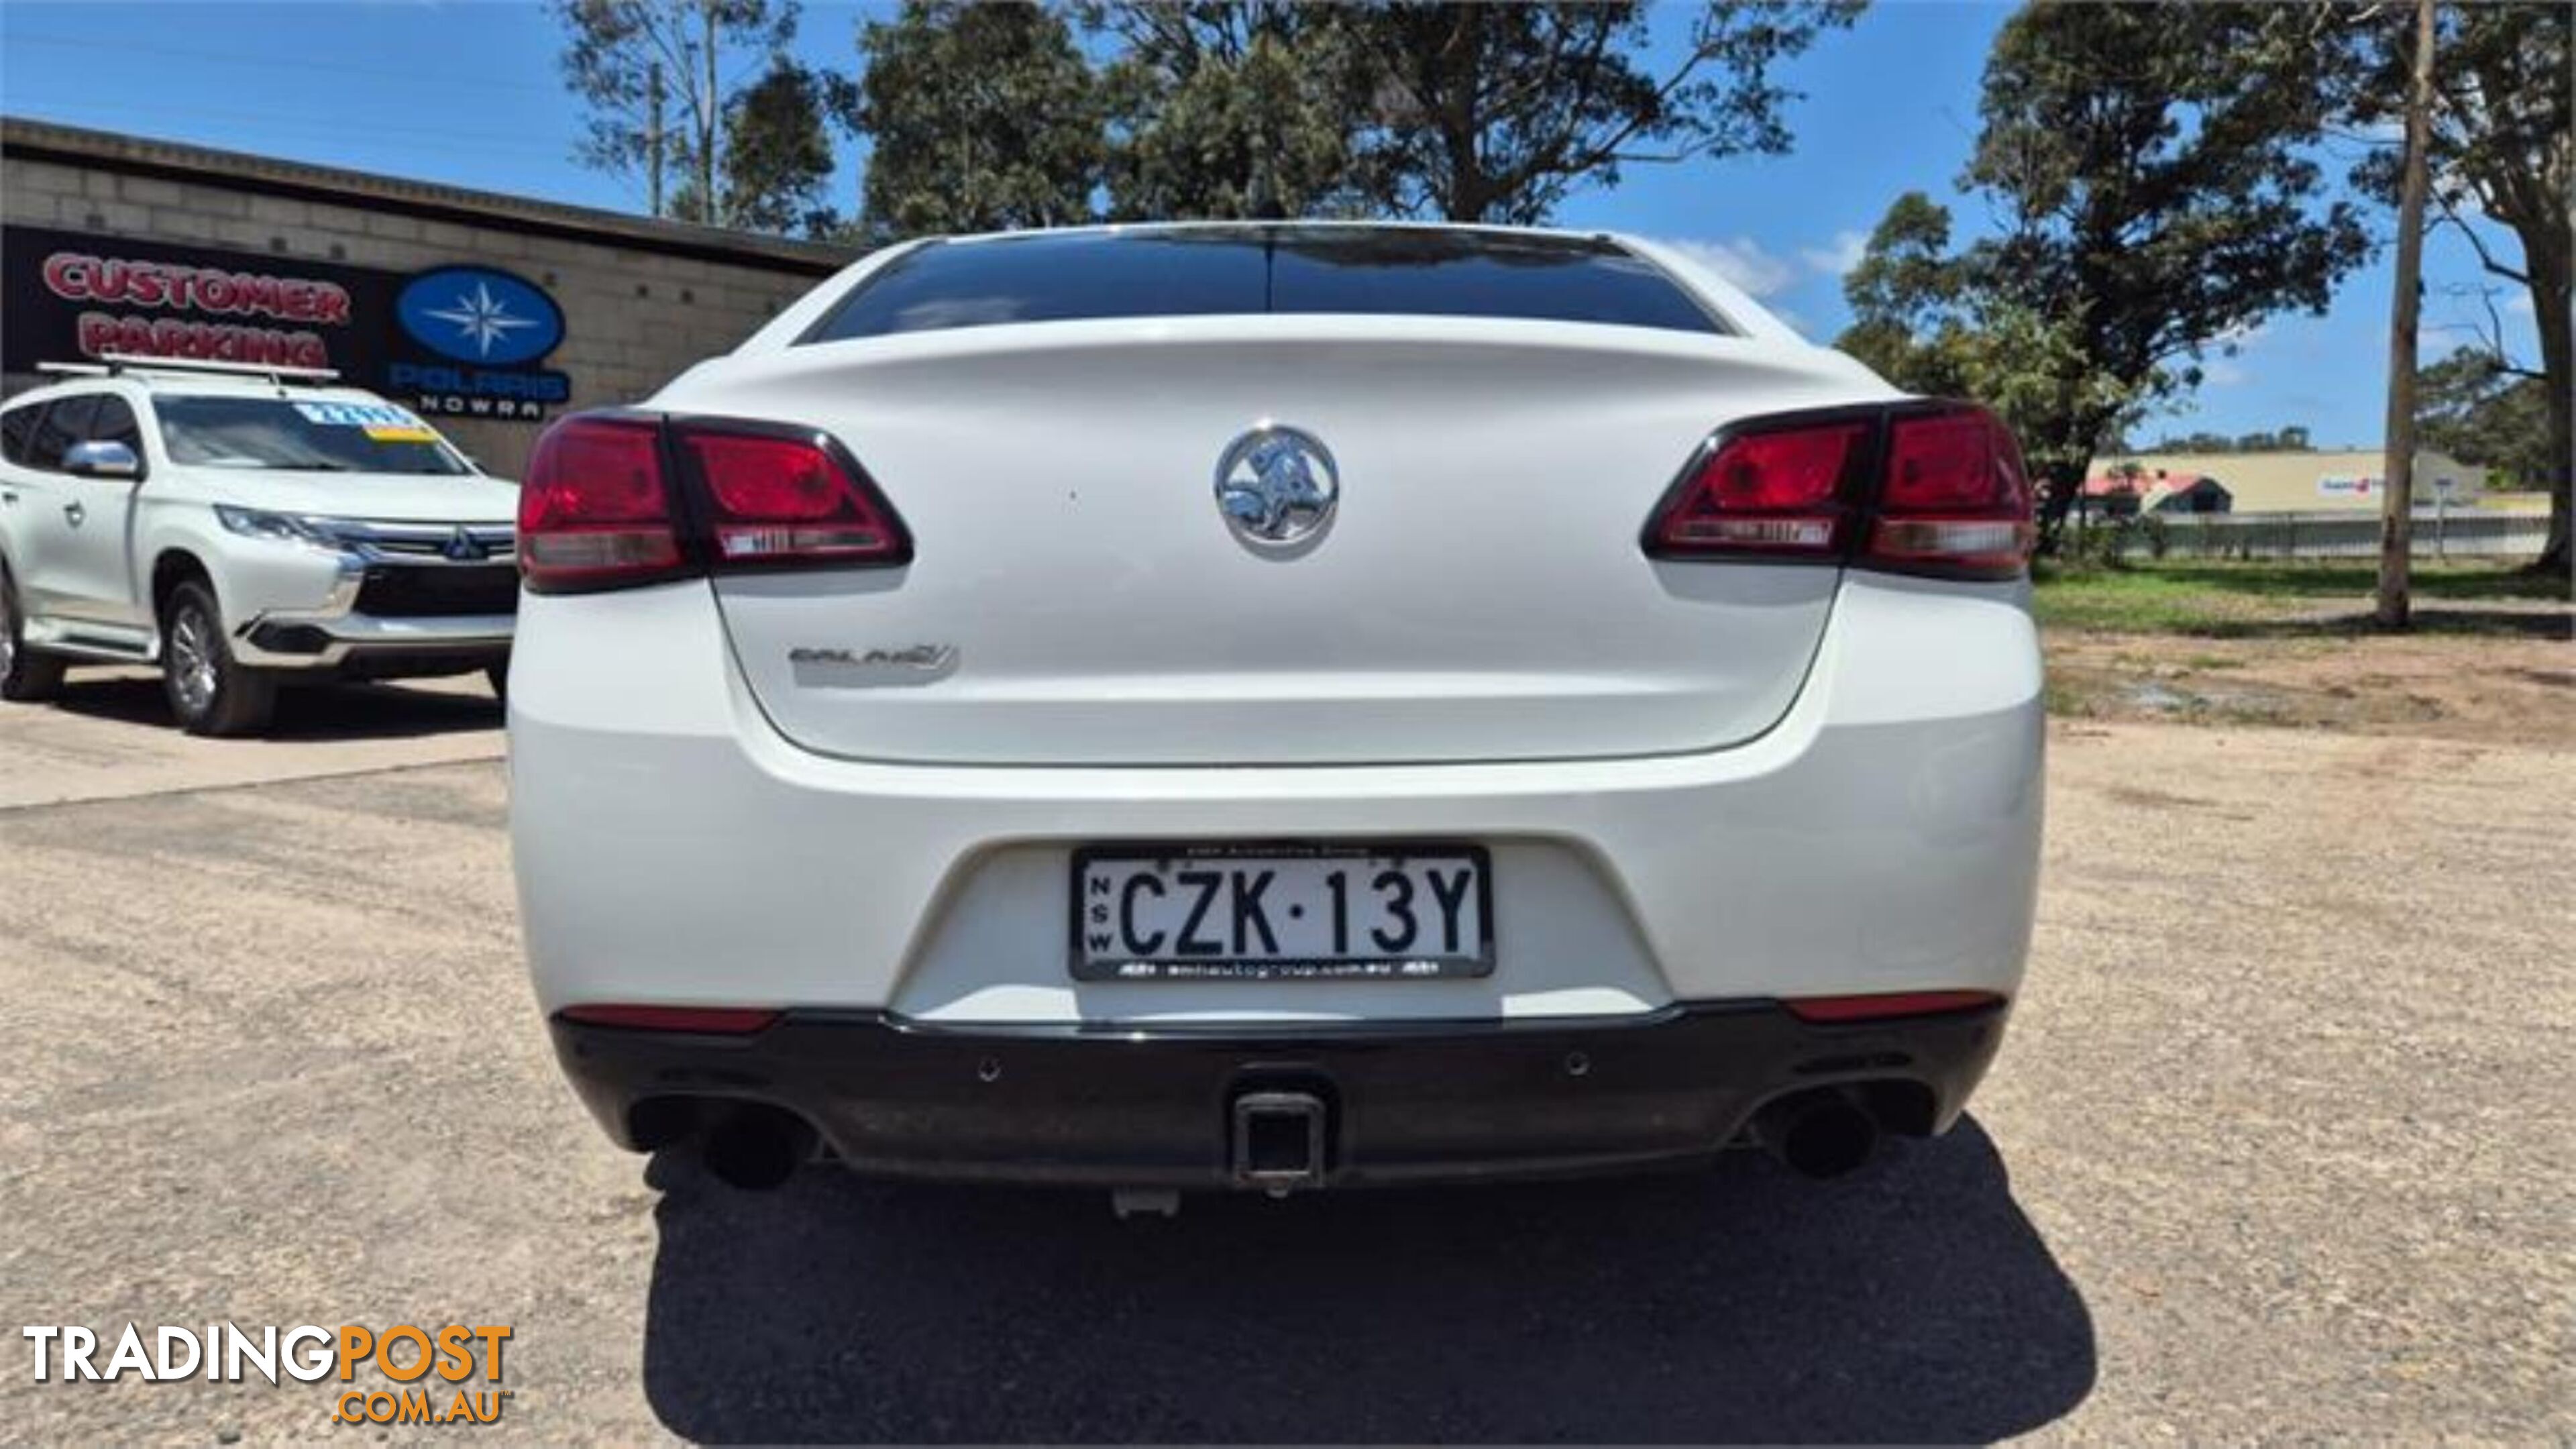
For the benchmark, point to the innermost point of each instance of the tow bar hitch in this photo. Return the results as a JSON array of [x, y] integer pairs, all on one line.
[[1279, 1141]]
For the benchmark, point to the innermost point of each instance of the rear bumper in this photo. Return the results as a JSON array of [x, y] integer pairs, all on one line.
[[1405, 1103], [671, 848]]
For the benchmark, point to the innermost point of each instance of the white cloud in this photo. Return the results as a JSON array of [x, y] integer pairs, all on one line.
[[1740, 260], [2219, 372], [1839, 256], [2519, 304]]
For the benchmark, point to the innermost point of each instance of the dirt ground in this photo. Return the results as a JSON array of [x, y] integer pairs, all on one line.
[[2473, 689], [2274, 1150]]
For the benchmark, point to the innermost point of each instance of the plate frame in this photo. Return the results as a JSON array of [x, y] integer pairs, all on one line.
[[1452, 968]]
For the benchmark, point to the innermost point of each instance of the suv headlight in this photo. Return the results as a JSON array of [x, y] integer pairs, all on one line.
[[275, 527]]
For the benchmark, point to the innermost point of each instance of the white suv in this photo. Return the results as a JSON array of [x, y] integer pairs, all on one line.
[[1275, 706], [242, 530]]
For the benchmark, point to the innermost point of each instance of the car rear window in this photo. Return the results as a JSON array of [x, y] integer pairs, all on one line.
[[1256, 269]]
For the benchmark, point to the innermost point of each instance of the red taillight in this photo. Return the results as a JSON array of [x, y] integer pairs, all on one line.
[[707, 1020], [779, 499], [630, 498], [1912, 487], [1766, 492], [593, 512], [1954, 497], [1887, 1004]]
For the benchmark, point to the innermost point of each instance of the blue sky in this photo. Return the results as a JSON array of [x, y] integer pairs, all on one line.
[[469, 93]]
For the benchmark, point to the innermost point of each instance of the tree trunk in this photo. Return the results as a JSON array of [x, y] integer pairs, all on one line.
[[710, 126], [2549, 296], [653, 137], [1470, 189], [2397, 504]]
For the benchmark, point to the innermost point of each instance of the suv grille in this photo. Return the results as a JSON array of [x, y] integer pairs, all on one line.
[[424, 591]]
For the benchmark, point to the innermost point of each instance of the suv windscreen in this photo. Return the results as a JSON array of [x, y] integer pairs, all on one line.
[[1264, 269], [297, 435]]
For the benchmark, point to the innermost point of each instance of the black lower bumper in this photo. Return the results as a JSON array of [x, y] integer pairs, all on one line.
[[1402, 1102]]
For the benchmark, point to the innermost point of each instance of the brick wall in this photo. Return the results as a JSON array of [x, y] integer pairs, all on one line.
[[634, 316]]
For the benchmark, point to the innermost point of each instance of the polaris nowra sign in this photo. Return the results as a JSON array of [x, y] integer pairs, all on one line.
[[483, 329]]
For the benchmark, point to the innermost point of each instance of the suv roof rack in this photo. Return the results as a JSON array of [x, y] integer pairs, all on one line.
[[118, 364]]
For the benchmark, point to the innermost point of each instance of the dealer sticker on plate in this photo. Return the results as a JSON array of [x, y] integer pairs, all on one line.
[[1272, 912]]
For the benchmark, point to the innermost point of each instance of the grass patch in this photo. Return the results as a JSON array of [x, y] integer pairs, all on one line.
[[2221, 600]]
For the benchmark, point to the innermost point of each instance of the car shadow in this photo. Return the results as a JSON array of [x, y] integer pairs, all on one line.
[[304, 712], [1912, 1302]]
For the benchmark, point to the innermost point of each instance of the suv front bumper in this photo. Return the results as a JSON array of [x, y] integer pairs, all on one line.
[[395, 604], [1403, 1102]]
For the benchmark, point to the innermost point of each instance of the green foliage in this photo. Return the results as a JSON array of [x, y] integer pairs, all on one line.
[[612, 52], [2221, 600], [2292, 439], [1494, 113], [2473, 407], [985, 117], [2149, 167], [2110, 542], [778, 151], [988, 115], [2503, 146], [1222, 110]]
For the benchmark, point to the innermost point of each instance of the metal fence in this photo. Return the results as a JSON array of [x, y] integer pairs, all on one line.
[[2462, 533]]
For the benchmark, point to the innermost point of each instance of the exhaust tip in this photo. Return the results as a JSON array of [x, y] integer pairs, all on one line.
[[1819, 1134], [756, 1148]]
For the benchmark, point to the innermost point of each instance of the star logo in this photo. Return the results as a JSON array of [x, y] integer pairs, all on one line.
[[482, 317]]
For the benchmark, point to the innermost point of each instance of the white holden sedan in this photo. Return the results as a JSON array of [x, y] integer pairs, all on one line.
[[1275, 706]]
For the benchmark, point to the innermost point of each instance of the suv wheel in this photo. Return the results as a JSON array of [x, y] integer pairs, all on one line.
[[24, 673], [210, 692]]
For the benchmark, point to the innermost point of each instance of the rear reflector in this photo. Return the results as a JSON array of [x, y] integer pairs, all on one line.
[[617, 499], [1890, 1004], [706, 1020], [1916, 487]]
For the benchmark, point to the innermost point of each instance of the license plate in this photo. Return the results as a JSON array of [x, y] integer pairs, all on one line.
[[1280, 912]]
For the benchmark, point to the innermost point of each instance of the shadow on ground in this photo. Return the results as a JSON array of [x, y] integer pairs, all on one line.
[[2526, 623], [1914, 1302], [311, 712]]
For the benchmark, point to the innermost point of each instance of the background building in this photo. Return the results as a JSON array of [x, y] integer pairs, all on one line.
[[2342, 481], [487, 313]]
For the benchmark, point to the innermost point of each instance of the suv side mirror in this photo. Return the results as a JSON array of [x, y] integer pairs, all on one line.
[[102, 459]]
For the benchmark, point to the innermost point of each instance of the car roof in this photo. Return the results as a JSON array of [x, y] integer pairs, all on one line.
[[176, 383]]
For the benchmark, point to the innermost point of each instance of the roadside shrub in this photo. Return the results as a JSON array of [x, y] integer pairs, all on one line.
[[2106, 544]]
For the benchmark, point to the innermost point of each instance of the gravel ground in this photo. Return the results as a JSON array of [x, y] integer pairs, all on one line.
[[2277, 1149]]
